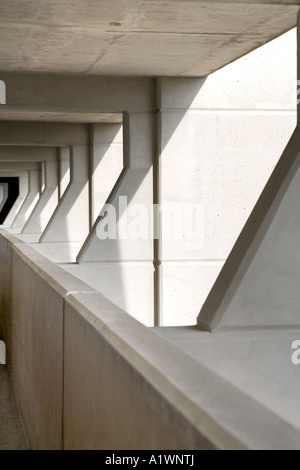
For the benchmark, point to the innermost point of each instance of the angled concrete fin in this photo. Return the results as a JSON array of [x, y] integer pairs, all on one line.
[[259, 283]]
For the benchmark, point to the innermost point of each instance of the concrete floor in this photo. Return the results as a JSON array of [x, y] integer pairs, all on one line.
[[10, 432]]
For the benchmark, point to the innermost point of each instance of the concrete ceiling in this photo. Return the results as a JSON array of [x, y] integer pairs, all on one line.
[[136, 37]]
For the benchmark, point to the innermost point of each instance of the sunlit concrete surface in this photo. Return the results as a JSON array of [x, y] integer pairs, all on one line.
[[111, 370], [248, 111], [154, 102], [257, 361]]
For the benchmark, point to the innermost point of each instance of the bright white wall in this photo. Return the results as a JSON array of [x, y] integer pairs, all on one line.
[[219, 154]]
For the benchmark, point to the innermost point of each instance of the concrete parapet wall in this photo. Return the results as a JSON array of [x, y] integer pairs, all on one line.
[[37, 332], [32, 308], [88, 376]]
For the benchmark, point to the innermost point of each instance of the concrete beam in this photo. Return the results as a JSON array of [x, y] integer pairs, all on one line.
[[42, 134], [79, 116], [25, 156], [85, 94], [16, 166]]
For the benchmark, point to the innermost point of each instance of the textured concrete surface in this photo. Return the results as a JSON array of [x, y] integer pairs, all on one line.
[[70, 219], [221, 138], [37, 341], [259, 283], [136, 37], [10, 437], [88, 361], [120, 375], [243, 109], [257, 361]]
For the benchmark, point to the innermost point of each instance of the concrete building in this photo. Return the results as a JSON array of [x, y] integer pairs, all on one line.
[[149, 262]]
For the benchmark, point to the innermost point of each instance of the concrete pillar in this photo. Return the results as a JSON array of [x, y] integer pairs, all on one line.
[[23, 191], [70, 220], [47, 203], [3, 194], [107, 162], [136, 185], [125, 261], [34, 180]]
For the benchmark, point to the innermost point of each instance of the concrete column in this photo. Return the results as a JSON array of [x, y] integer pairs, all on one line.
[[3, 194], [125, 258], [136, 185], [34, 180], [47, 202], [107, 162], [23, 191], [70, 220]]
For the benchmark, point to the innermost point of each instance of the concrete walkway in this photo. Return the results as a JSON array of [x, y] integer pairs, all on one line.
[[10, 436]]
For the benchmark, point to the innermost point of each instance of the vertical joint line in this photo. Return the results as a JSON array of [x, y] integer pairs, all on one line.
[[157, 248], [91, 175]]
